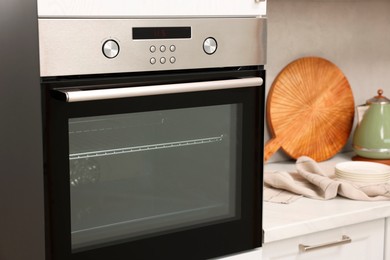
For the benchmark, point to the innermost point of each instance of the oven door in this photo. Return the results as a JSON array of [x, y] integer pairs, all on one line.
[[161, 171]]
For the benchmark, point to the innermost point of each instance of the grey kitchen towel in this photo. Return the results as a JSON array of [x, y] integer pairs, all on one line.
[[312, 181]]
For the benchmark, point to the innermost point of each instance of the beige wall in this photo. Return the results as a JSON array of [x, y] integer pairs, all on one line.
[[353, 34]]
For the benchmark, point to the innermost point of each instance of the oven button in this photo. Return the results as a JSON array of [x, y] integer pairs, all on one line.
[[172, 60], [162, 48], [162, 60], [110, 49], [172, 48], [152, 48], [152, 60], [210, 45]]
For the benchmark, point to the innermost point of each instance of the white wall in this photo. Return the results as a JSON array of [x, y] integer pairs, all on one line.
[[353, 34]]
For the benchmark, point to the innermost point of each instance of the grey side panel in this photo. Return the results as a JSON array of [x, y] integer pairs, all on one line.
[[21, 166]]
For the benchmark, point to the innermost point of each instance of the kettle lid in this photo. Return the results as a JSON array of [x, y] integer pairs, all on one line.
[[378, 99]]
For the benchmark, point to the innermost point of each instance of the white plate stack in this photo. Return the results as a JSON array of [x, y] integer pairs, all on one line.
[[368, 172]]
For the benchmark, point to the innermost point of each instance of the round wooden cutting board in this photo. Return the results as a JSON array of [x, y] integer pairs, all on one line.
[[310, 110]]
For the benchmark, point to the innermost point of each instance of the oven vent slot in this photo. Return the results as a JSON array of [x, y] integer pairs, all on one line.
[[148, 147]]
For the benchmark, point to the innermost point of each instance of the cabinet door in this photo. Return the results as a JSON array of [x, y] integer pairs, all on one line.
[[387, 240], [366, 243], [126, 8]]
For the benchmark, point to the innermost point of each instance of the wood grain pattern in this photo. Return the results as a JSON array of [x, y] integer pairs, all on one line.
[[310, 110], [359, 158]]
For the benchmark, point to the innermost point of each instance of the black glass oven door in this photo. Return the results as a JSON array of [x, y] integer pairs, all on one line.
[[153, 175]]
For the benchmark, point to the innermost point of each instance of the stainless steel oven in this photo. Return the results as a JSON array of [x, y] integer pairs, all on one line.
[[153, 132]]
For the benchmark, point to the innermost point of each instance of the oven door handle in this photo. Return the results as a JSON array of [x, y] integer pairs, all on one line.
[[112, 93]]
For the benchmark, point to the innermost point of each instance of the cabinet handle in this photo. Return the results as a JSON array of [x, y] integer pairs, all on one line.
[[344, 240]]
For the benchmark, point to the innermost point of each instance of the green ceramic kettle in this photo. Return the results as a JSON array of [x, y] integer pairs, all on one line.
[[372, 133]]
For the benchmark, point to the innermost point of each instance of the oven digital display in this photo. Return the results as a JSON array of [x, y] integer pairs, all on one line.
[[149, 33]]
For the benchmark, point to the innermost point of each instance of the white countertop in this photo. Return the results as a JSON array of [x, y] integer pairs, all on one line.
[[304, 216]]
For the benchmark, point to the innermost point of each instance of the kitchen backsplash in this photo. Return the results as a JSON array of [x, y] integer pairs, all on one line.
[[353, 34]]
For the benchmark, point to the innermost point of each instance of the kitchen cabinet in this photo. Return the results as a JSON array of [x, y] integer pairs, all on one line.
[[366, 243], [310, 222], [125, 8]]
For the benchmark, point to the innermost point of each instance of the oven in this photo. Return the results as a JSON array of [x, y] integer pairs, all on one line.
[[153, 137]]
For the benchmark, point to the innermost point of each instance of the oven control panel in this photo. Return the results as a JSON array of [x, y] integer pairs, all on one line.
[[93, 46], [160, 54]]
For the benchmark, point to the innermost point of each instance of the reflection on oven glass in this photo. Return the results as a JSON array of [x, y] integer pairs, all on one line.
[[84, 171], [150, 173]]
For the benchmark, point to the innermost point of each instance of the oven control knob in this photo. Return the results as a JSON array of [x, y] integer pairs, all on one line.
[[110, 49], [210, 45]]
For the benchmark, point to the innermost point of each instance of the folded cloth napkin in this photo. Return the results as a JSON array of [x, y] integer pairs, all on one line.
[[313, 182]]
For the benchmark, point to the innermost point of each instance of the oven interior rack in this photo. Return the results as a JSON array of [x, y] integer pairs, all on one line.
[[148, 147]]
